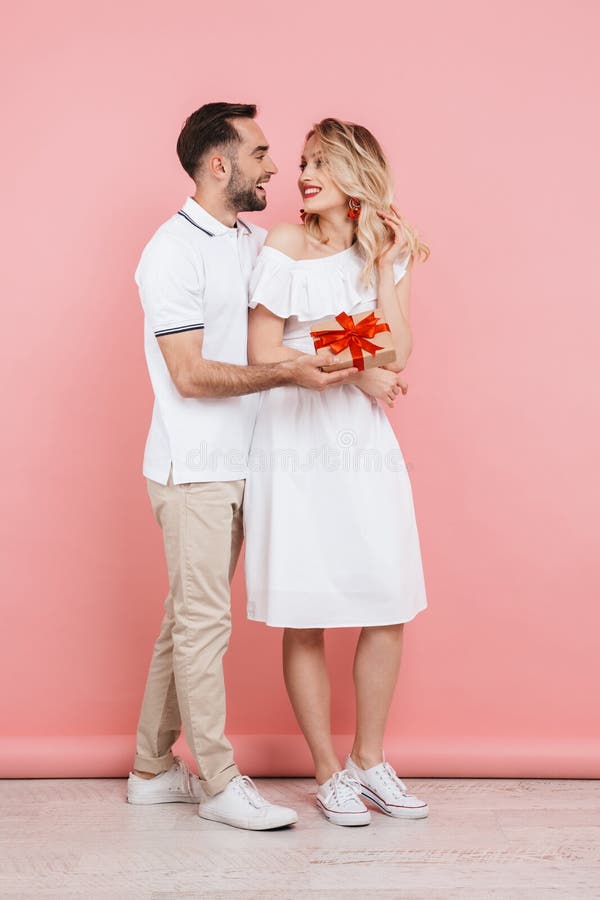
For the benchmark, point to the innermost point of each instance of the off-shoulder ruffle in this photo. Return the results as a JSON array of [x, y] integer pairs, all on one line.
[[311, 289]]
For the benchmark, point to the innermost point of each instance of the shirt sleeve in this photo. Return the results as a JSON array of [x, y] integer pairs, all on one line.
[[400, 269], [171, 283]]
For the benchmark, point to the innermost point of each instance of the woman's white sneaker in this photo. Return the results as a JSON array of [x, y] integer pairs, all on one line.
[[339, 800], [382, 786], [241, 806], [175, 785]]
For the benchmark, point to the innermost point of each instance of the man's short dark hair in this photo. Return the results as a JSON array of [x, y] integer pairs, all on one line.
[[207, 128]]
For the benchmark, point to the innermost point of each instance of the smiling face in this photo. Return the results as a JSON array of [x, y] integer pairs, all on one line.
[[318, 190], [251, 169]]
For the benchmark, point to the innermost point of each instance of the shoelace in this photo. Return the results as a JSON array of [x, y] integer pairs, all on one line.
[[344, 786], [396, 782], [250, 792], [185, 774]]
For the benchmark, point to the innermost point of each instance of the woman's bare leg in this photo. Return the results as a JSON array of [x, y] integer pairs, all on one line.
[[307, 683], [376, 665]]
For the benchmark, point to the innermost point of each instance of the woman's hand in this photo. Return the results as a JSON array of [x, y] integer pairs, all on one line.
[[393, 222], [381, 384]]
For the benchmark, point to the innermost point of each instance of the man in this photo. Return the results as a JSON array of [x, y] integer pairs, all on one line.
[[193, 280]]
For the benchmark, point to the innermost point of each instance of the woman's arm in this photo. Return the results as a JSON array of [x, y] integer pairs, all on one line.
[[394, 298], [265, 338]]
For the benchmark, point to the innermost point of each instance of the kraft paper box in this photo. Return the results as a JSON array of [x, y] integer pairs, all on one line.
[[363, 340]]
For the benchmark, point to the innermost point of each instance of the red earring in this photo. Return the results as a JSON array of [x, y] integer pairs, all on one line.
[[302, 215], [353, 208]]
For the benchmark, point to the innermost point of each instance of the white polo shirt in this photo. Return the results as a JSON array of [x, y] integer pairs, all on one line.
[[194, 274]]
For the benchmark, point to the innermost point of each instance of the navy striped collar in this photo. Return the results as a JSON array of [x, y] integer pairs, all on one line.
[[198, 216]]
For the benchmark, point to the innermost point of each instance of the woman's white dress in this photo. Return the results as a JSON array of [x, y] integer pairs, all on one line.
[[331, 536]]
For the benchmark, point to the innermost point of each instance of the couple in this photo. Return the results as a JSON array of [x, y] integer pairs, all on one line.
[[331, 540]]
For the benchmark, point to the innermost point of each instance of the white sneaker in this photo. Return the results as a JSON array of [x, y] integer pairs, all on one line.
[[242, 806], [339, 800], [175, 785], [382, 786]]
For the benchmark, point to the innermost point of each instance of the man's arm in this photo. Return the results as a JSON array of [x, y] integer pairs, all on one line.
[[195, 376]]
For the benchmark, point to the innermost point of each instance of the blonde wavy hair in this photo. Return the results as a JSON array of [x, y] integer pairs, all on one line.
[[359, 168]]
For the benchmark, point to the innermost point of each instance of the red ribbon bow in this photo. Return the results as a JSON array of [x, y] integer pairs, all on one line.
[[354, 335]]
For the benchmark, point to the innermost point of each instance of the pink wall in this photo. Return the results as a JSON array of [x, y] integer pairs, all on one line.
[[488, 114]]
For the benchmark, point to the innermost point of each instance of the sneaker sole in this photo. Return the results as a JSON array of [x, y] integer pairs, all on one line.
[[347, 819], [405, 812], [247, 824], [160, 798]]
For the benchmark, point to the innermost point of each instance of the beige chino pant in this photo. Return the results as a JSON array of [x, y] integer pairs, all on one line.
[[202, 529]]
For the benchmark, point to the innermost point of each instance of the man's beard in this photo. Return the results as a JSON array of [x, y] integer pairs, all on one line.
[[241, 195]]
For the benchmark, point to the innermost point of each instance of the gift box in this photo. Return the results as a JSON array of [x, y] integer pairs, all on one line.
[[351, 339]]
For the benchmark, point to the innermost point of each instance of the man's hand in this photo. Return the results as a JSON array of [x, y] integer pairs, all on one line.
[[305, 371]]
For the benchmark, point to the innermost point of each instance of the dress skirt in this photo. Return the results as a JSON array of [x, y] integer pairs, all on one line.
[[331, 535]]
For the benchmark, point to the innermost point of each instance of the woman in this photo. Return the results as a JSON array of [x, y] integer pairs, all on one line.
[[331, 537]]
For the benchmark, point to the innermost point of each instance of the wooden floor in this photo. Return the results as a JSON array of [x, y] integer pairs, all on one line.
[[506, 839]]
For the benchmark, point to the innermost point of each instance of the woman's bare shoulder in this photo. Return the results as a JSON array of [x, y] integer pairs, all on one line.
[[288, 238]]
